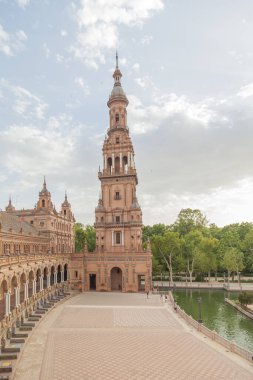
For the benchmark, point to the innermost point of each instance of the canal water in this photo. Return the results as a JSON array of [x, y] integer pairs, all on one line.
[[218, 315]]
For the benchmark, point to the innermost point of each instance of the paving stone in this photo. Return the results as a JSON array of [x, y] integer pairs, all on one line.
[[111, 336]]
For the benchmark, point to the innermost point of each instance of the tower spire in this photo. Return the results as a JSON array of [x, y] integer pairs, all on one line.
[[44, 184], [117, 60]]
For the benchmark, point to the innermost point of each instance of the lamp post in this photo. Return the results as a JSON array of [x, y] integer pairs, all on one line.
[[199, 300]]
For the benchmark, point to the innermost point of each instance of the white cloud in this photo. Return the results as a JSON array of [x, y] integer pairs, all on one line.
[[23, 3], [64, 33], [99, 23], [22, 101], [146, 118], [136, 67], [59, 58], [246, 91], [144, 81], [46, 50], [11, 44], [146, 40], [21, 35], [79, 81]]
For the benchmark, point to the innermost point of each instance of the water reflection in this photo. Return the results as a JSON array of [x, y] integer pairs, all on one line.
[[217, 315]]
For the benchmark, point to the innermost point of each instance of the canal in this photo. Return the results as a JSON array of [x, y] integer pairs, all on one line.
[[217, 315]]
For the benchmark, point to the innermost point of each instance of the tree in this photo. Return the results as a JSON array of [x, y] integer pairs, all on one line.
[[90, 238], [191, 243], [233, 261], [247, 247], [245, 298], [167, 247], [84, 235], [79, 237], [206, 255], [189, 220]]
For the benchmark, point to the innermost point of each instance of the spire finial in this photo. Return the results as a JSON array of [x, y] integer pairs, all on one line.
[[9, 200], [117, 60], [44, 183], [66, 198]]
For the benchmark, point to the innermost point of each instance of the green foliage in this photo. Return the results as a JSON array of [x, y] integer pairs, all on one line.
[[189, 220], [84, 235], [79, 237], [245, 298], [233, 260]]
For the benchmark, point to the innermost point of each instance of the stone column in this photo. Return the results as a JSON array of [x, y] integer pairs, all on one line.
[[34, 287], [26, 290], [113, 161], [62, 276], [105, 161], [41, 283], [7, 303], [17, 296], [122, 240], [55, 278], [129, 159], [120, 160], [48, 280], [112, 238]]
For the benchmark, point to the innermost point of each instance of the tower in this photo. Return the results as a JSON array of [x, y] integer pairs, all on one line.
[[118, 214], [119, 262], [44, 201], [10, 207]]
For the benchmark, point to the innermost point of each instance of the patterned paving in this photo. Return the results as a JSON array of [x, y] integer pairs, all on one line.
[[123, 337]]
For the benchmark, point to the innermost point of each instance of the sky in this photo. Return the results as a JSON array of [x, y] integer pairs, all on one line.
[[187, 70]]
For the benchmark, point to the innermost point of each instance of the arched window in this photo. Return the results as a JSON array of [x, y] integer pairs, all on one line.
[[117, 118], [43, 202]]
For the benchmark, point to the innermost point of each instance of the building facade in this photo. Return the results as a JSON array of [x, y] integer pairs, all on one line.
[[119, 262], [56, 227]]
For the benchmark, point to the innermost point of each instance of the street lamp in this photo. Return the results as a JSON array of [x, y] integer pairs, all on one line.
[[199, 300]]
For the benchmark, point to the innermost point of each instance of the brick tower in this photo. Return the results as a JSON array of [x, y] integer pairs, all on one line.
[[119, 262]]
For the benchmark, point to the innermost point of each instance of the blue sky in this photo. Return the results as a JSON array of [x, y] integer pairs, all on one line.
[[187, 71]]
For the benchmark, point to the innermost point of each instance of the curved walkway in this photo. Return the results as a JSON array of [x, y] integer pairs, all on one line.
[[111, 336]]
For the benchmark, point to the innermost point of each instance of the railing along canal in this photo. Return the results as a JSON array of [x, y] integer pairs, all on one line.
[[231, 346]]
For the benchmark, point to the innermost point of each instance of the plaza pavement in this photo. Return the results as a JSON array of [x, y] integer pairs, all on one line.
[[109, 336]]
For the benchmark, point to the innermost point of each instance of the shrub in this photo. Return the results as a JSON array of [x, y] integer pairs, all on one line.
[[245, 298]]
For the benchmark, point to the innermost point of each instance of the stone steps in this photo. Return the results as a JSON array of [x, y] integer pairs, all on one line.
[[25, 328], [8, 357], [17, 340], [10, 350], [20, 335], [5, 367]]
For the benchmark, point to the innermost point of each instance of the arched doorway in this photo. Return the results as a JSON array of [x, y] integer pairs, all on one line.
[[116, 279]]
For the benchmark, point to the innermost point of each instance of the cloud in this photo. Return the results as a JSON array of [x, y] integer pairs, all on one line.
[[246, 91], [136, 67], [79, 81], [23, 3], [146, 40], [11, 44], [64, 33], [193, 154], [144, 81], [22, 101], [46, 50], [99, 22], [146, 118]]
